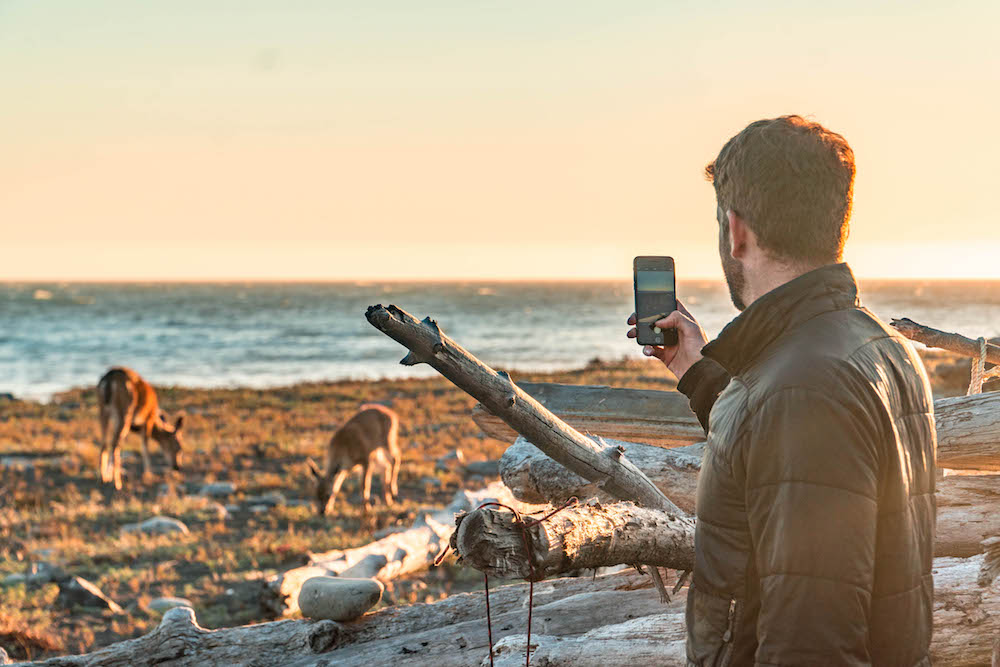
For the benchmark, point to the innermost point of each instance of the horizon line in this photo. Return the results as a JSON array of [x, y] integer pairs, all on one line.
[[424, 279]]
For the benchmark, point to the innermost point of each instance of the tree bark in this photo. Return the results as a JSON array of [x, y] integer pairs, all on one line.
[[588, 536], [966, 503], [953, 342], [397, 554], [968, 427], [498, 394], [661, 418], [179, 641]]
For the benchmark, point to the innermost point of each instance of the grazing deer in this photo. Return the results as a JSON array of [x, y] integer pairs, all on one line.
[[128, 403], [368, 439]]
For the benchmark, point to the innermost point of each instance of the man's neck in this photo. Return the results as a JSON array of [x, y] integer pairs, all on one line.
[[776, 275]]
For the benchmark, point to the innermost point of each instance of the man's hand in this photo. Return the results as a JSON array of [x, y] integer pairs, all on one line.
[[690, 339]]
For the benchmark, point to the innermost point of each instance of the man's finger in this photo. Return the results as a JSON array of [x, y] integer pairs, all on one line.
[[631, 319], [681, 307], [632, 333], [674, 320]]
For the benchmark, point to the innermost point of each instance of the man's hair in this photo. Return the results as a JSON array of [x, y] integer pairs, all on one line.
[[792, 181]]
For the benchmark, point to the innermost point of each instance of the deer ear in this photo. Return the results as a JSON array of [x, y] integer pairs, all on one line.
[[314, 469], [179, 424]]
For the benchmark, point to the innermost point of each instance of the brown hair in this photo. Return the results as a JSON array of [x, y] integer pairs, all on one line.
[[792, 181]]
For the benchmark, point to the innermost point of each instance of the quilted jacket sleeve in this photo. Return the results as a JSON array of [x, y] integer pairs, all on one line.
[[702, 384], [811, 470]]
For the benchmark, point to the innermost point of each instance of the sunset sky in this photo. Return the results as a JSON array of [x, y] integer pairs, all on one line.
[[386, 140]]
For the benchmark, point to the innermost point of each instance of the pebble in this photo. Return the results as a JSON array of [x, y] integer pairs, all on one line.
[[162, 604], [158, 525], [78, 591], [337, 598], [218, 489], [272, 499]]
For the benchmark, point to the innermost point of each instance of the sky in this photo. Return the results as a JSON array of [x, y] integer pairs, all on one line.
[[332, 140]]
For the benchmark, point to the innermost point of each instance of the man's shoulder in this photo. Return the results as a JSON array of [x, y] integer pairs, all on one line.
[[841, 354]]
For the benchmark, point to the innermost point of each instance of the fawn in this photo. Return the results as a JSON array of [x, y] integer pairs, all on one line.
[[368, 439]]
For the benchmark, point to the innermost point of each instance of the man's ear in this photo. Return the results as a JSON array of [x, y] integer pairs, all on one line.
[[739, 235]]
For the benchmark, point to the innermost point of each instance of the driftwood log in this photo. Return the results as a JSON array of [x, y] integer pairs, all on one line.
[[609, 621], [953, 342], [967, 504], [966, 624], [498, 394], [450, 632], [661, 418], [392, 556], [968, 427], [587, 536]]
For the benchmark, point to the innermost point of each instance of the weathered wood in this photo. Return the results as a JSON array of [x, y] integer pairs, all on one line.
[[661, 418], [445, 633], [966, 623], [594, 627], [968, 427], [396, 554], [180, 642], [968, 432], [498, 394], [587, 536], [967, 504], [534, 477], [945, 340]]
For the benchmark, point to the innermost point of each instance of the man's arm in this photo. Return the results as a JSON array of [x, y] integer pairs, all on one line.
[[811, 471], [702, 384], [701, 380]]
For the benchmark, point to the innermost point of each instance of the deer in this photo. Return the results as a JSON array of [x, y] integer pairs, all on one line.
[[126, 403], [368, 439]]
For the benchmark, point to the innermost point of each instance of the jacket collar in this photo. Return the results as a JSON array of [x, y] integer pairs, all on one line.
[[821, 290]]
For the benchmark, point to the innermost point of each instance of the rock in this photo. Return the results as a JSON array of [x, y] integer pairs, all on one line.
[[77, 591], [484, 468], [232, 507], [259, 509], [158, 525], [43, 573], [338, 599], [218, 489], [219, 510], [162, 604], [271, 499], [430, 481], [16, 578]]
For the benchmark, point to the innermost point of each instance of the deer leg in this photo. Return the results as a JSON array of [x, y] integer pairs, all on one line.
[[338, 481], [147, 466], [366, 491], [389, 481], [115, 464]]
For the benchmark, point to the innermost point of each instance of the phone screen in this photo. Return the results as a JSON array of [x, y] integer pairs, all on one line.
[[654, 300]]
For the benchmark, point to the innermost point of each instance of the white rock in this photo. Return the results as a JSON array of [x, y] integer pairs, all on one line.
[[158, 525], [338, 599], [163, 604]]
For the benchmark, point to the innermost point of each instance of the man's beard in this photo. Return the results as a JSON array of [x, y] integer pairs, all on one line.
[[733, 270]]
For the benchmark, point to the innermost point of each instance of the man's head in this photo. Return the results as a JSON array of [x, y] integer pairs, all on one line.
[[784, 188]]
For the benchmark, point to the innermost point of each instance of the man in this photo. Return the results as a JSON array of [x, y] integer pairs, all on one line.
[[816, 508]]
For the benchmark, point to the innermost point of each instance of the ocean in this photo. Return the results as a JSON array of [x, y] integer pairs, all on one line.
[[57, 336]]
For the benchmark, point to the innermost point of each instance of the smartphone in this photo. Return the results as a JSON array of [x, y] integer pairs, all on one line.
[[655, 298]]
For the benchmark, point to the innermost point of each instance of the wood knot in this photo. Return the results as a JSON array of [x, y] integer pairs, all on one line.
[[323, 636]]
